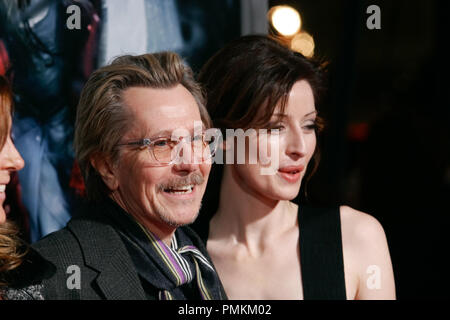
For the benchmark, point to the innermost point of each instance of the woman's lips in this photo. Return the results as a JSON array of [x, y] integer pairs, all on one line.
[[291, 173]]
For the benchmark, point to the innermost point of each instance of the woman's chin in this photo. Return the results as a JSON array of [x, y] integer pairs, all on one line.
[[285, 195], [288, 193]]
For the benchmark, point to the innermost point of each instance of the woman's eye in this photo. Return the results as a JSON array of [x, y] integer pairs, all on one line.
[[279, 127], [310, 126]]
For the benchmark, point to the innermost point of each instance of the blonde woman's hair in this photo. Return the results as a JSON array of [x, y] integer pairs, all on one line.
[[12, 250]]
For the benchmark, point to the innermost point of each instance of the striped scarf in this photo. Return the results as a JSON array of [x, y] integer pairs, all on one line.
[[180, 267], [180, 271]]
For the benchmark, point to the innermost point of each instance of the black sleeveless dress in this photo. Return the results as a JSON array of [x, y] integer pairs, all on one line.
[[321, 257]]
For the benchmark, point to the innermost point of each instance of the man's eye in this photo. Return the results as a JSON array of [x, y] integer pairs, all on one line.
[[161, 143]]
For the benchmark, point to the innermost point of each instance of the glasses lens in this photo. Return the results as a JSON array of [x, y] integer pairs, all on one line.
[[206, 147], [211, 145], [162, 149], [167, 151]]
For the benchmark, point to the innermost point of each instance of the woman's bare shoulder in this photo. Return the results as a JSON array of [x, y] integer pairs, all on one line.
[[360, 226], [366, 255]]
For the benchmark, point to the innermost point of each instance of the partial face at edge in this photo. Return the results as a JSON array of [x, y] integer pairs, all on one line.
[[10, 161]]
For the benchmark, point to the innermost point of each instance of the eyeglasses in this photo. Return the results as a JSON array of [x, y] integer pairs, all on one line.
[[167, 150]]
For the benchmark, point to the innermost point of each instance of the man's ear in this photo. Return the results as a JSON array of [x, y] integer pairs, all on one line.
[[104, 167]]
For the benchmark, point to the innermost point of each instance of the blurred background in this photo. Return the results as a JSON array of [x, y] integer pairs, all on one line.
[[386, 146]]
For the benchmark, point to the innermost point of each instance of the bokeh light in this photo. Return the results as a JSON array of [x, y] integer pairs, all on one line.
[[303, 43], [285, 19]]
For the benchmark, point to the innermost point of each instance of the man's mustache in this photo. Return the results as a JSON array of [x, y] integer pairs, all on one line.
[[194, 178]]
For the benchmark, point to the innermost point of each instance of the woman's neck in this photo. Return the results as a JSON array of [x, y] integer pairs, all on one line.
[[247, 218]]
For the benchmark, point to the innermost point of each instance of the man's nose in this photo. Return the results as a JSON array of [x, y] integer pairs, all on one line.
[[186, 159]]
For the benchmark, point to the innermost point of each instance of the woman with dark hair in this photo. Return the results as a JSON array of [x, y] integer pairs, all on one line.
[[264, 245], [19, 265]]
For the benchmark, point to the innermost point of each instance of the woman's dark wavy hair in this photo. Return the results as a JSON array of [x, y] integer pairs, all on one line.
[[245, 82]]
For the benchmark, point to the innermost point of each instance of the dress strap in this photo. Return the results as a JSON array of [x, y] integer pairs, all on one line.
[[321, 256]]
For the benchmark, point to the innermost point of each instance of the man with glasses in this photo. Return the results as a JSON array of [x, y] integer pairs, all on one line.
[[142, 145]]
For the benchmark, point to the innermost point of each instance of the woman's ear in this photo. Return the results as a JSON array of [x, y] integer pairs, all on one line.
[[105, 169]]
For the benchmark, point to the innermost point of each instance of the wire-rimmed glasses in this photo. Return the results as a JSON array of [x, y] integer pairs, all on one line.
[[170, 150]]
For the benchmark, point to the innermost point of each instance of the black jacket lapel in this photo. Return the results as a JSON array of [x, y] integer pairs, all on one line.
[[106, 253]]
